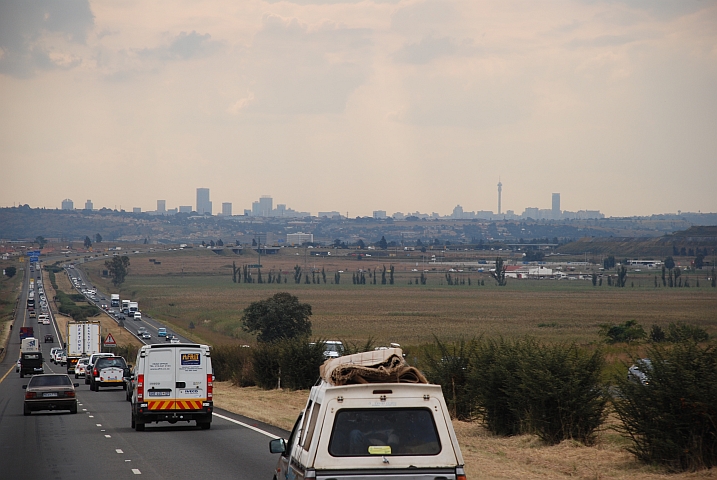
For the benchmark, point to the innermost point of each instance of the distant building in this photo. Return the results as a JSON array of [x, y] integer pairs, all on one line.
[[280, 210], [88, 205], [531, 212], [185, 209], [161, 206], [379, 214], [457, 212], [299, 238], [137, 210], [398, 216], [266, 206], [204, 205], [556, 207], [329, 214], [227, 209], [172, 211], [500, 193], [68, 204]]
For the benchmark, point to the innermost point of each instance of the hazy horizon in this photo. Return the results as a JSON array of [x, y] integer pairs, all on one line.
[[361, 105]]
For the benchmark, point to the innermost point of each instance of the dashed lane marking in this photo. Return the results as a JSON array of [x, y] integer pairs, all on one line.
[[118, 450], [136, 471]]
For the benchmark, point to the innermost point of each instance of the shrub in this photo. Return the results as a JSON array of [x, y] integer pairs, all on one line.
[[680, 332], [552, 391], [671, 420], [449, 367], [233, 363], [657, 334], [129, 352], [625, 332], [296, 361]]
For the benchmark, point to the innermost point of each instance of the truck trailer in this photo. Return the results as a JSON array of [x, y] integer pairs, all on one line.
[[83, 339]]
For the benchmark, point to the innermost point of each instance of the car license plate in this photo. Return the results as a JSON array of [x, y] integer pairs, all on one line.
[[49, 394]]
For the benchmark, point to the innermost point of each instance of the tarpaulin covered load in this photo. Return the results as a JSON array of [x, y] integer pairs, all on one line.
[[378, 366]]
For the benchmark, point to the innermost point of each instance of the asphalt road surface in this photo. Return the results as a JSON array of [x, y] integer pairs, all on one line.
[[98, 442]]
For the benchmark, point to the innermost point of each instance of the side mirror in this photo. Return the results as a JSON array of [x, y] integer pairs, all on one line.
[[278, 445], [76, 384], [24, 387]]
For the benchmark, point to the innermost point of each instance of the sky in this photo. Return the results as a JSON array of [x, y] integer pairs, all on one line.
[[355, 106]]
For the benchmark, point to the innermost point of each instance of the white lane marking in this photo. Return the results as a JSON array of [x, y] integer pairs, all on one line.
[[92, 416], [84, 409], [108, 436], [136, 471], [118, 450], [103, 430], [245, 425], [99, 424]]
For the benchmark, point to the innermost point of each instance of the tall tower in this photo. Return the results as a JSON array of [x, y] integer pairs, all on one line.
[[556, 206], [204, 205], [500, 191]]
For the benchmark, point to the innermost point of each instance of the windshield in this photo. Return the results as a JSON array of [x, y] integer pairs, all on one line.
[[50, 381], [396, 431]]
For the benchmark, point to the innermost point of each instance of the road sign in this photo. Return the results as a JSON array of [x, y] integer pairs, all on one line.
[[110, 341]]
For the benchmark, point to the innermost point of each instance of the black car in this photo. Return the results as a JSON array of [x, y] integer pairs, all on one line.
[[49, 338]]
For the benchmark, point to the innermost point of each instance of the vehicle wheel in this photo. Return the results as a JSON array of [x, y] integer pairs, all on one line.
[[76, 376], [132, 422], [22, 375], [205, 425], [124, 386], [25, 410], [87, 381], [139, 427], [73, 409]]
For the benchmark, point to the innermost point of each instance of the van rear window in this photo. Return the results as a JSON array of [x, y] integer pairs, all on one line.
[[384, 431]]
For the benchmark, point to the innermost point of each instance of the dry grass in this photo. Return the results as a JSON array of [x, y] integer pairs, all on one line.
[[486, 456]]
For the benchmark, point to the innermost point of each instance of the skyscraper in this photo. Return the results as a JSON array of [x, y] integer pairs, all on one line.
[[161, 206], [556, 213], [88, 205], [266, 205], [227, 209], [204, 205], [500, 191]]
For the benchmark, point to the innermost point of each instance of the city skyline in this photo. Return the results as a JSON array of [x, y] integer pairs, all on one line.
[[407, 105]]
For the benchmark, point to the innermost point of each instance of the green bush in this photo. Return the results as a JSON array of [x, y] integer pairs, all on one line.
[[671, 420], [625, 332], [449, 367], [680, 332], [523, 386], [296, 360], [233, 363]]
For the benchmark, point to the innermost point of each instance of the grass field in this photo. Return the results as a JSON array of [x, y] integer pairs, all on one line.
[[196, 287]]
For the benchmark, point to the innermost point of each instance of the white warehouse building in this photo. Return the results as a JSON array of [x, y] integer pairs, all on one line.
[[299, 238]]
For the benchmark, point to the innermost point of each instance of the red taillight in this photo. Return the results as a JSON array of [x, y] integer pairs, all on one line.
[[29, 395], [70, 394], [140, 387], [95, 372], [210, 386], [461, 474]]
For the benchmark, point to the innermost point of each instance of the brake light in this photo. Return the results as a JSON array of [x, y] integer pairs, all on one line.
[[461, 474], [95, 372], [140, 387], [70, 394], [29, 395], [210, 386]]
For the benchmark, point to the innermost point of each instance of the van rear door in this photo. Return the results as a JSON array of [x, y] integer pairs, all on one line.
[[160, 378], [191, 380]]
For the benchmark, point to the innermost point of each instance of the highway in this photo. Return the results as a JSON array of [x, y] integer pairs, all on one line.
[[98, 442]]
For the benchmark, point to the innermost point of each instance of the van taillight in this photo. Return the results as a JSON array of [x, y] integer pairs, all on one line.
[[210, 386], [140, 387]]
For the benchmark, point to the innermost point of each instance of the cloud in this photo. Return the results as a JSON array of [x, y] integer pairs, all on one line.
[[302, 70], [27, 27], [183, 47], [428, 49]]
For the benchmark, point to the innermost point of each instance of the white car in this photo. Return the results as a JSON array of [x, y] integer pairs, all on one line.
[[174, 340], [81, 367]]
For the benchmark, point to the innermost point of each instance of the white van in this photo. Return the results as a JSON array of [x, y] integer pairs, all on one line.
[[353, 430], [172, 383]]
